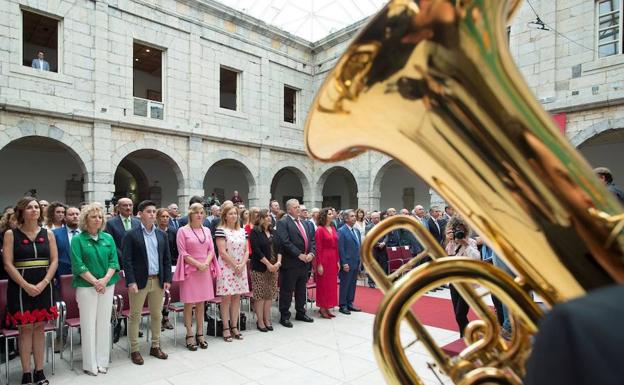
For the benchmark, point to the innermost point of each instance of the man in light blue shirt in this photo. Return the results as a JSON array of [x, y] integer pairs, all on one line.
[[40, 63]]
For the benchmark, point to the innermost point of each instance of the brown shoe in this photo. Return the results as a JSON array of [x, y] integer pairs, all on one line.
[[136, 358], [156, 352], [166, 324]]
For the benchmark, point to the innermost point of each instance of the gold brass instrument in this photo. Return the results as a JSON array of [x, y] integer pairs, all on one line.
[[432, 84]]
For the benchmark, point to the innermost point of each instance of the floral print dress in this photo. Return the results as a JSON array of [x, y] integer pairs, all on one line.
[[230, 283]]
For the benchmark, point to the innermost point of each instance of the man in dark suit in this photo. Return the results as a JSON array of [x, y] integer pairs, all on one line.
[[174, 217], [434, 226], [194, 199], [297, 245], [349, 243], [379, 250], [580, 342], [147, 265], [274, 208], [63, 236], [119, 225]]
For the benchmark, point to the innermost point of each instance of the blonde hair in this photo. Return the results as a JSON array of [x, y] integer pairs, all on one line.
[[253, 215], [225, 209], [194, 209], [88, 210]]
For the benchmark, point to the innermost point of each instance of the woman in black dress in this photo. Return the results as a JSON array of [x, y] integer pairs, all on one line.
[[30, 260]]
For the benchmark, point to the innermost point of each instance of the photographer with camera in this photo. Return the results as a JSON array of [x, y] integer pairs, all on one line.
[[459, 244]]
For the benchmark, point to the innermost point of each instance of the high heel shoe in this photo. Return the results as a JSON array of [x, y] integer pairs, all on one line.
[[39, 378], [263, 330], [330, 314], [269, 327], [202, 343], [324, 313], [227, 338], [27, 378], [192, 346]]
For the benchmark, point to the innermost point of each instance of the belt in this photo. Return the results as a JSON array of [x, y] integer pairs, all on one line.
[[32, 263], [153, 276]]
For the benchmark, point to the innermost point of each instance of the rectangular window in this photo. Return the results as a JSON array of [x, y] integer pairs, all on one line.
[[228, 88], [147, 81], [40, 41], [290, 105], [608, 27]]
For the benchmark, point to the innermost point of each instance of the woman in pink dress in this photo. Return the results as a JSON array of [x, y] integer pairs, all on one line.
[[327, 263], [233, 255], [196, 269]]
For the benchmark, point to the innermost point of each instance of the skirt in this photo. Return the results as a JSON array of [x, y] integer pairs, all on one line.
[[197, 287], [264, 285]]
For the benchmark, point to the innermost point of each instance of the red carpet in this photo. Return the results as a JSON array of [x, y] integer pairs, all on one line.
[[430, 311]]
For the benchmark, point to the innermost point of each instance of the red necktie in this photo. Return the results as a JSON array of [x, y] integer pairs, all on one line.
[[303, 234]]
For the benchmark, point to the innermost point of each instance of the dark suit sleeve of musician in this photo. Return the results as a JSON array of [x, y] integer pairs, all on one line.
[[580, 342], [127, 250], [287, 247]]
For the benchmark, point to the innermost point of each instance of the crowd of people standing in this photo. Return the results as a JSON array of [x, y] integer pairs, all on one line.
[[217, 250]]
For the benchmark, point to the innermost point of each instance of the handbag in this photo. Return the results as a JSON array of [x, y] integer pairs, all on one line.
[[218, 332]]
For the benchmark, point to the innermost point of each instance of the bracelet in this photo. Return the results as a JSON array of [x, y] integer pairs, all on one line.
[[47, 281]]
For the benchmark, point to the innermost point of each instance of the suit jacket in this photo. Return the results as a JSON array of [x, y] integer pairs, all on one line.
[[172, 225], [291, 244], [40, 64], [116, 229], [401, 237], [135, 257], [433, 229], [64, 252], [173, 245], [348, 247], [580, 342]]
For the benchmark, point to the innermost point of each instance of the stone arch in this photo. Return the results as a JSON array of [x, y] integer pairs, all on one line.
[[247, 166], [301, 177], [403, 190], [594, 130], [172, 157], [29, 128], [351, 181], [604, 149]]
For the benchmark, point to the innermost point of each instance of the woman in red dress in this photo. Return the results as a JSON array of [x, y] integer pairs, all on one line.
[[327, 263]]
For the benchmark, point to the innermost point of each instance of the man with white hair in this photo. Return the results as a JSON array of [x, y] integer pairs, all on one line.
[[421, 215], [314, 214], [298, 247]]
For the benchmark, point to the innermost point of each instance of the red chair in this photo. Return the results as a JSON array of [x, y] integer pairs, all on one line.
[[70, 313], [397, 257], [121, 292], [172, 302], [49, 329]]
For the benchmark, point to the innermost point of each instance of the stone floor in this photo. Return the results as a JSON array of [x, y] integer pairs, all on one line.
[[328, 352]]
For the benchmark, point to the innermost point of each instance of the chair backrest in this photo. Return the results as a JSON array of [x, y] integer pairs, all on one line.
[[122, 290], [174, 291], [68, 295], [3, 299]]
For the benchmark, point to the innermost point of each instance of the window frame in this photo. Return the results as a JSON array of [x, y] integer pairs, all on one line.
[[239, 84], [618, 40], [59, 41], [297, 92]]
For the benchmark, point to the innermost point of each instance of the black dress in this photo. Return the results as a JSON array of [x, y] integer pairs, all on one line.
[[32, 260]]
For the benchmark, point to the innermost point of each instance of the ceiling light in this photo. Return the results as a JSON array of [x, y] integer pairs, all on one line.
[[137, 59], [147, 50]]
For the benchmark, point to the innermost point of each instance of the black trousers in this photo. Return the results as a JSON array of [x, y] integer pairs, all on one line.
[[460, 308], [292, 280]]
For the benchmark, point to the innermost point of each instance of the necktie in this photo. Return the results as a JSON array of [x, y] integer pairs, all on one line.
[[126, 222], [303, 234], [175, 223]]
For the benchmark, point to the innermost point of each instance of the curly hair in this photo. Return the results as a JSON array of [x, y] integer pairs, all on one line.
[[92, 208], [51, 212], [20, 207], [457, 221]]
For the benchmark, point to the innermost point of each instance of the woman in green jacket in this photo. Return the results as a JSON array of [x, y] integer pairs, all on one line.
[[94, 265]]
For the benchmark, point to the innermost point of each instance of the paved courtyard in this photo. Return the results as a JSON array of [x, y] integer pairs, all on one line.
[[328, 352]]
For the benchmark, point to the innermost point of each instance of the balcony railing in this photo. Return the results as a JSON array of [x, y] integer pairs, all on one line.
[[149, 108]]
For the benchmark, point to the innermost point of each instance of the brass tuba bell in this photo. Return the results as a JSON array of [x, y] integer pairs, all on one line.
[[432, 84]]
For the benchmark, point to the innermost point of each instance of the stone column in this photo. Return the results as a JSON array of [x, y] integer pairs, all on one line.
[[100, 185], [260, 195], [195, 183]]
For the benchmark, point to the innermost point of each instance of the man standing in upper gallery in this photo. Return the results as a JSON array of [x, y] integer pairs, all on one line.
[[297, 244], [349, 243]]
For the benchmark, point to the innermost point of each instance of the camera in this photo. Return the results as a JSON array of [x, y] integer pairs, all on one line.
[[459, 234]]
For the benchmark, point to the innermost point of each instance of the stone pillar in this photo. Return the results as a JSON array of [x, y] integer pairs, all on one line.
[[100, 184], [436, 199], [195, 183], [260, 195]]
